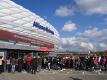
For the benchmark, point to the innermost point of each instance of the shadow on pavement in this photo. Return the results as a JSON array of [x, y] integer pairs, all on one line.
[[75, 78]]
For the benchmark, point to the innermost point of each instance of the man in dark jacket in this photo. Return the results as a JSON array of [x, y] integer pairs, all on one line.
[[91, 63], [20, 64], [34, 65]]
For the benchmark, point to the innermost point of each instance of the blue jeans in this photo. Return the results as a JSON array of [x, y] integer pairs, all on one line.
[[13, 68]]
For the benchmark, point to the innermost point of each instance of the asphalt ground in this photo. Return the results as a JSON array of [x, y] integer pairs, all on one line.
[[65, 74]]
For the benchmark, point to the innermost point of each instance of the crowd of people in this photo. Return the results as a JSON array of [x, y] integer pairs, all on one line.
[[35, 64]]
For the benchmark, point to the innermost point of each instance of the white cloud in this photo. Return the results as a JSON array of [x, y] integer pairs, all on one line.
[[88, 45], [103, 45], [92, 39], [92, 6], [69, 41], [69, 26], [93, 33], [75, 42], [64, 11]]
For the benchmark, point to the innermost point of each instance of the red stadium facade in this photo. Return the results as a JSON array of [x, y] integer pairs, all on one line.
[[10, 36]]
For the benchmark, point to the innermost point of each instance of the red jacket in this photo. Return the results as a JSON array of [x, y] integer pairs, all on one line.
[[95, 59], [29, 60]]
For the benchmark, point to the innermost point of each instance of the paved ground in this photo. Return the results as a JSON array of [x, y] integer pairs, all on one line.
[[55, 75]]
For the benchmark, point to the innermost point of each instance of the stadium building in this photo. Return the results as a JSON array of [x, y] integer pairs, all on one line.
[[22, 31]]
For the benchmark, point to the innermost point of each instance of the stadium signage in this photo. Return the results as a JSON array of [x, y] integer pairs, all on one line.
[[35, 24]]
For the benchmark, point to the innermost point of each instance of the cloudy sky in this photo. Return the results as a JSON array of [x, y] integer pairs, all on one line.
[[82, 24]]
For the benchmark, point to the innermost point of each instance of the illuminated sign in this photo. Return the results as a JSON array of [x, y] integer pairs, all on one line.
[[45, 49], [35, 24]]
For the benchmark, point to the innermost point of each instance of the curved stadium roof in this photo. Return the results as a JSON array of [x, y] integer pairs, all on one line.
[[16, 18]]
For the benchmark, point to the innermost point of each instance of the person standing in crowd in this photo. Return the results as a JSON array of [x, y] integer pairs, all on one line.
[[95, 59], [20, 64], [91, 63], [24, 64], [8, 64], [34, 65], [16, 67], [104, 62], [78, 63], [49, 63], [45, 62], [61, 63], [29, 61], [1, 63], [24, 67], [39, 64], [13, 63], [55, 63], [87, 62], [71, 62], [74, 61], [100, 62]]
